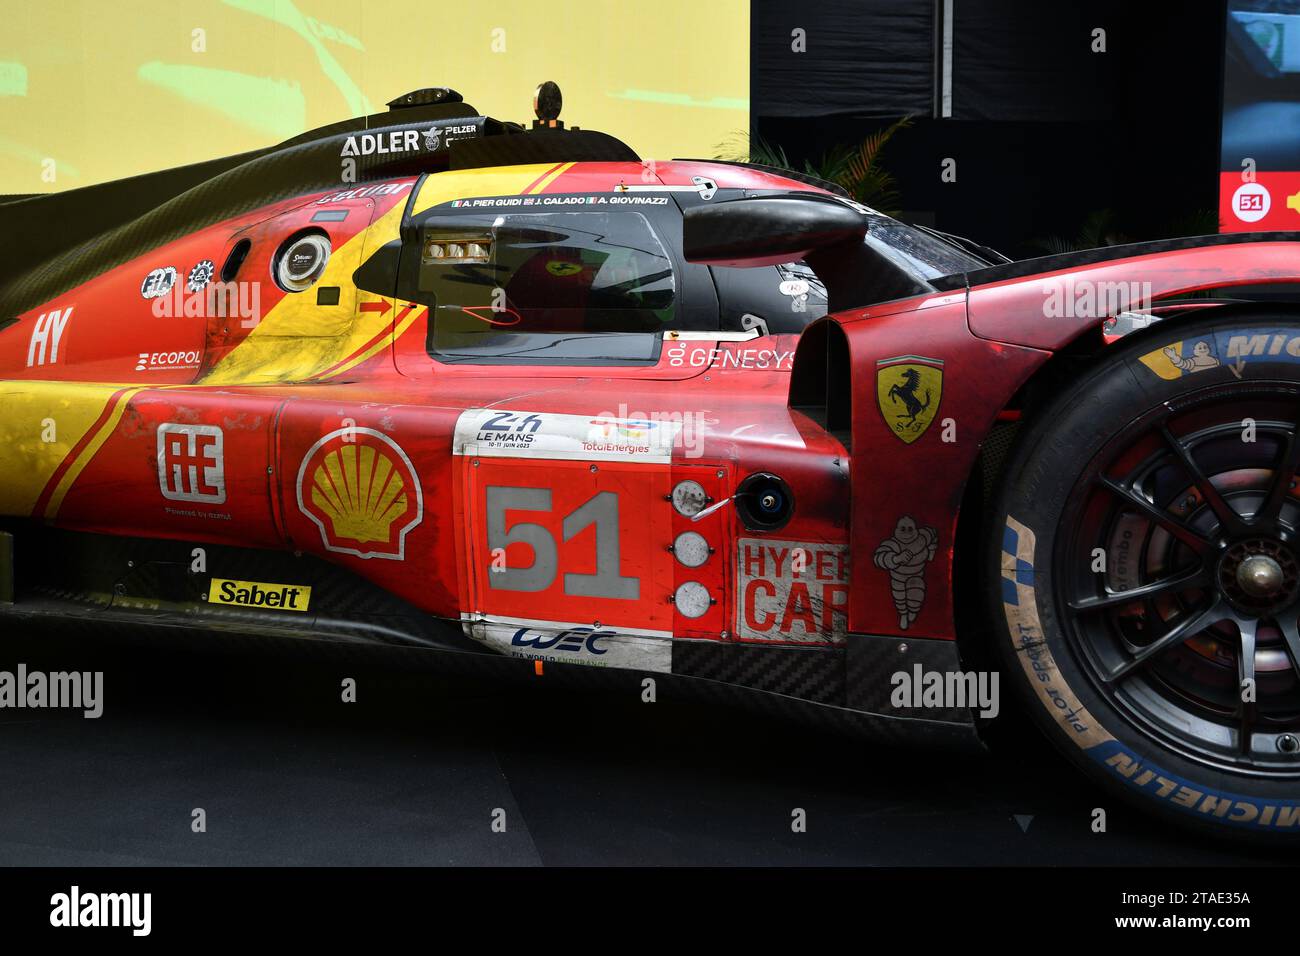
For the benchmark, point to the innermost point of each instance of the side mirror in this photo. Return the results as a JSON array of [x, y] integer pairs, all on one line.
[[768, 230]]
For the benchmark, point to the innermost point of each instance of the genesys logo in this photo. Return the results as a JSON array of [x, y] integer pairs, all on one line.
[[275, 597], [192, 463], [168, 361]]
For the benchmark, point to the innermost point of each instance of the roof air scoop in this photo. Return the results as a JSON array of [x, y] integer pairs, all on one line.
[[426, 97]]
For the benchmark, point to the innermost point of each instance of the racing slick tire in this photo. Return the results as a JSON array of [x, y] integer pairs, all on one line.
[[1145, 572]]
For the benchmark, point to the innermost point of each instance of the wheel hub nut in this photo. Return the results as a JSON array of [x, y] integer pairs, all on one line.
[[1259, 576]]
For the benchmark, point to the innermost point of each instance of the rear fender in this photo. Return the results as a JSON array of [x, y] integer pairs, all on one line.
[[1048, 311], [907, 471]]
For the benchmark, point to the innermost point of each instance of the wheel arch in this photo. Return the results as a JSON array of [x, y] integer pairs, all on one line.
[[1023, 408]]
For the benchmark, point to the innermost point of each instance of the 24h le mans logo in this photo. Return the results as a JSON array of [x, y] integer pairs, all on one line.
[[361, 490], [908, 388]]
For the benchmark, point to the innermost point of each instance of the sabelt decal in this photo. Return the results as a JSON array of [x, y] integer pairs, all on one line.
[[255, 594], [1020, 604], [360, 489], [496, 433], [796, 591], [191, 463], [628, 648]]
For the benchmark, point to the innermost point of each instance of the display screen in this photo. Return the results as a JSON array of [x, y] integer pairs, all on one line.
[[1259, 170]]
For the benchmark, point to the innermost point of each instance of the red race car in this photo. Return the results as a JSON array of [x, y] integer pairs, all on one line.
[[519, 399]]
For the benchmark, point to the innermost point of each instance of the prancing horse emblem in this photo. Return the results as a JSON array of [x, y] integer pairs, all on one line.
[[908, 389]]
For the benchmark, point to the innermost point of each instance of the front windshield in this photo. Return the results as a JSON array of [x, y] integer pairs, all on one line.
[[544, 286], [915, 251]]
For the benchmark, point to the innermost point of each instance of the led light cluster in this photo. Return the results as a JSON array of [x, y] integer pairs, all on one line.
[[454, 251]]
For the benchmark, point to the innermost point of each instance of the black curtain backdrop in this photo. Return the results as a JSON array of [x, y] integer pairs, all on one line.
[[1044, 131], [1013, 60], [864, 58]]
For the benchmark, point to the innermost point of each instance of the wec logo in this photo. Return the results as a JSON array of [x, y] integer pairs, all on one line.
[[574, 640]]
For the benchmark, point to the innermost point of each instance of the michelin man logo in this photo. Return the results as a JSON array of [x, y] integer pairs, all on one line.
[[904, 555], [1200, 359]]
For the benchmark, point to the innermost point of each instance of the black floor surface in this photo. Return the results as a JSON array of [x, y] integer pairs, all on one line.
[[416, 771]]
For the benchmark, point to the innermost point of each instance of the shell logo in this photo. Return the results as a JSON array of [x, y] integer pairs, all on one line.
[[360, 489]]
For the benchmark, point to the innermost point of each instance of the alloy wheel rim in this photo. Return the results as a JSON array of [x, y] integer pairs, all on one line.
[[1191, 627]]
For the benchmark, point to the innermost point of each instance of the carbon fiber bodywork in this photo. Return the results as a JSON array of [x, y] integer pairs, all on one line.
[[95, 587]]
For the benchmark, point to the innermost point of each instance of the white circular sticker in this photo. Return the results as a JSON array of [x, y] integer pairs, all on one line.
[[692, 599], [689, 498], [1251, 202], [691, 549]]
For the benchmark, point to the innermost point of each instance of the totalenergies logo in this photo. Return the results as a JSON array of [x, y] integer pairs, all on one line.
[[361, 490], [627, 429]]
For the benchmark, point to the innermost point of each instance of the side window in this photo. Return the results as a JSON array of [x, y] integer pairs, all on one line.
[[553, 288], [786, 297]]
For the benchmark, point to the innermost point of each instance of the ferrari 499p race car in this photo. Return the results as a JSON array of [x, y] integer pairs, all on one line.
[[511, 395]]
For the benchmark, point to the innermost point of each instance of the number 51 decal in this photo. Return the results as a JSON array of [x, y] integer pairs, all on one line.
[[570, 541], [600, 510]]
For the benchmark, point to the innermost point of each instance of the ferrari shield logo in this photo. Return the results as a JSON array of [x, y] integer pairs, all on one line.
[[908, 389]]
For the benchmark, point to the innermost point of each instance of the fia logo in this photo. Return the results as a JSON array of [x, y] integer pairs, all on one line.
[[46, 337], [191, 463]]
